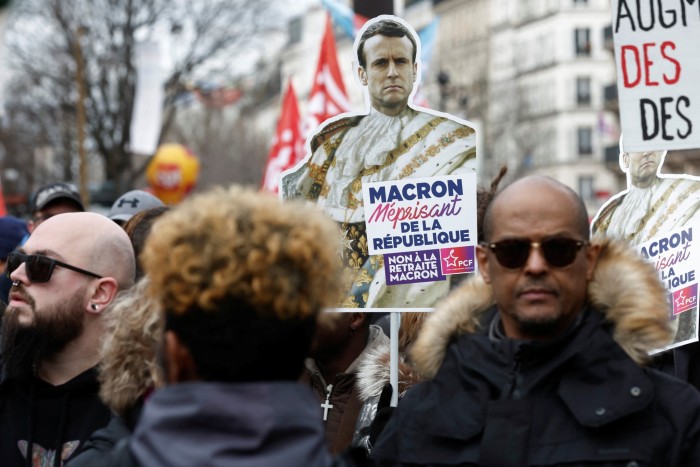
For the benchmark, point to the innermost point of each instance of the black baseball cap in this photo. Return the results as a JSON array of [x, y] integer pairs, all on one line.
[[54, 191]]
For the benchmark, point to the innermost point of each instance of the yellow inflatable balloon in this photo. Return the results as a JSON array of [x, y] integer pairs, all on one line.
[[172, 173]]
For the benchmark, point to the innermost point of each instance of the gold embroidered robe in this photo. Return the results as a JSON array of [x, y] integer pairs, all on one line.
[[429, 146]]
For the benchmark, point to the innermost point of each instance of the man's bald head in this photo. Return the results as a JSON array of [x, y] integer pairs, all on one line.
[[522, 187], [96, 243], [538, 260], [64, 276]]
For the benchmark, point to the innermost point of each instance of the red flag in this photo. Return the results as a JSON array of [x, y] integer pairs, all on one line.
[[288, 146], [328, 97]]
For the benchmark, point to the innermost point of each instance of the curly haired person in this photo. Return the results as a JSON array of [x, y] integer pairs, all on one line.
[[241, 279]]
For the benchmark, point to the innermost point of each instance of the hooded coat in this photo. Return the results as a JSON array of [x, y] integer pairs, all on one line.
[[223, 424], [582, 399]]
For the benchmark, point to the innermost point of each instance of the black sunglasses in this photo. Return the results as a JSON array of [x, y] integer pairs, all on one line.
[[514, 253], [39, 267]]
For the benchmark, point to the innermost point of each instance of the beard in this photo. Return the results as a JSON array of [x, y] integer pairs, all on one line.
[[542, 328], [25, 346]]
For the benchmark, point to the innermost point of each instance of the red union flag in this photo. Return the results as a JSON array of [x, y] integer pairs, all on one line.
[[288, 146], [328, 97]]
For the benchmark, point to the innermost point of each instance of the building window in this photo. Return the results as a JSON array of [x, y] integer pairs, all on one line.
[[582, 39], [583, 91], [294, 30], [585, 188], [585, 141]]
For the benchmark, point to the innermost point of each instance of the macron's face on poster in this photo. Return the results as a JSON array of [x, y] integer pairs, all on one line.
[[390, 72], [643, 166]]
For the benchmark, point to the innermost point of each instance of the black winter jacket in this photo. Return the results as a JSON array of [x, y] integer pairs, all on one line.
[[580, 401]]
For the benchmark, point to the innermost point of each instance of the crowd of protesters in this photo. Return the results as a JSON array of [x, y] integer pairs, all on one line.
[[196, 335]]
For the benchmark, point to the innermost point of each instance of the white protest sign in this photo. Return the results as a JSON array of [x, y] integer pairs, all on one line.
[[676, 258], [658, 70], [424, 227], [147, 115]]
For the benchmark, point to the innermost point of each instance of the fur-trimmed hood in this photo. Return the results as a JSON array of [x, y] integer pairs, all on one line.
[[624, 287], [373, 372], [373, 368]]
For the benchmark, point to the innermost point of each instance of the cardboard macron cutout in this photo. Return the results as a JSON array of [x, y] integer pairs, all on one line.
[[411, 152]]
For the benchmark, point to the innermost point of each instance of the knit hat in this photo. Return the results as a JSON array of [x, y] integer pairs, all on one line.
[[132, 202], [12, 231], [53, 191]]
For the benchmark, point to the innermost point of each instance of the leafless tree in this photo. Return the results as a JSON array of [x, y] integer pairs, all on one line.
[[205, 36]]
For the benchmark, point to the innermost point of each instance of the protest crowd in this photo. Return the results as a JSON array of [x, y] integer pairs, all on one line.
[[204, 333], [218, 351]]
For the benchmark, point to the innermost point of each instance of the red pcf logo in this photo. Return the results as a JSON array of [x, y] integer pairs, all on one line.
[[458, 260], [685, 299]]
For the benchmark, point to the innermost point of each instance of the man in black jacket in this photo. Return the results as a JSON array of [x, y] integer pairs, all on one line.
[[537, 361], [64, 277]]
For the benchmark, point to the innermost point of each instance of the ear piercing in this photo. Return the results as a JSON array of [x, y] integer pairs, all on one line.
[[94, 307]]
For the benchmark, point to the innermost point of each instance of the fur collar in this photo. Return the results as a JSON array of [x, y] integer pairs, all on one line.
[[624, 287], [373, 373]]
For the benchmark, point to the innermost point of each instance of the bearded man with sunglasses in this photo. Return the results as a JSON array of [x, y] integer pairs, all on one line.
[[539, 359], [66, 274]]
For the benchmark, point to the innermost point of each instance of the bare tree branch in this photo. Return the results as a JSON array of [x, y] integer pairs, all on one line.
[[203, 35]]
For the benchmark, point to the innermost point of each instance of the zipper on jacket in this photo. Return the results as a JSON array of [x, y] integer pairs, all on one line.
[[513, 389], [326, 406]]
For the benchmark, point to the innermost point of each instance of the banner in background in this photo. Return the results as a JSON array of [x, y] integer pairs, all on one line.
[[147, 115], [327, 97], [676, 257], [658, 71], [288, 146]]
